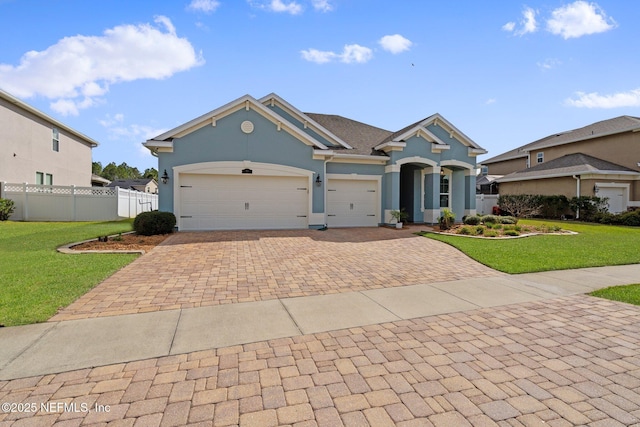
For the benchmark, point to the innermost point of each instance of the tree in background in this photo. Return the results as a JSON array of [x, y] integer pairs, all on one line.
[[121, 171]]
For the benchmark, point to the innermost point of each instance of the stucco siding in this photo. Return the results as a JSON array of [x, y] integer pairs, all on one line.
[[226, 142], [550, 186], [27, 149], [508, 166], [622, 149]]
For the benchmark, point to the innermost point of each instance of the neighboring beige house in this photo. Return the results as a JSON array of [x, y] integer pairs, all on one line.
[[37, 149], [146, 185], [601, 159]]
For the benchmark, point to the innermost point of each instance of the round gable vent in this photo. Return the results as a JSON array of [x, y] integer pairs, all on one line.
[[246, 126]]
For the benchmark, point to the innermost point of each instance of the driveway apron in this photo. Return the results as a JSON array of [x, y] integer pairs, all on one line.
[[195, 269]]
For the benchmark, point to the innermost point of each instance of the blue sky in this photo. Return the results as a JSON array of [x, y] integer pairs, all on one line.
[[504, 72]]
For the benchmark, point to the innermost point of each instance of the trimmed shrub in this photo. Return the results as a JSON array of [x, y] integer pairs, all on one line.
[[154, 222], [479, 230], [472, 220], [511, 233], [490, 219], [630, 218], [7, 206], [496, 226], [588, 207], [465, 230], [508, 220]]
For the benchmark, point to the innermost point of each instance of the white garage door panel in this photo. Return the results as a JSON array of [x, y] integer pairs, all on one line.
[[231, 202], [352, 203], [617, 199]]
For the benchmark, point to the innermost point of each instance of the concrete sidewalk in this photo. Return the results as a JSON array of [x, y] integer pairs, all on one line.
[[69, 345]]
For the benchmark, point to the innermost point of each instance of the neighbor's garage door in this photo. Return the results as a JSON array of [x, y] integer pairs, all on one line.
[[243, 202], [352, 203], [616, 196]]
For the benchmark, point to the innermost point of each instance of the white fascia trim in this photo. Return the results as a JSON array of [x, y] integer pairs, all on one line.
[[248, 102], [55, 123], [390, 145], [162, 146], [472, 152], [457, 163], [417, 159], [583, 175], [613, 185], [437, 119], [303, 117], [334, 155]]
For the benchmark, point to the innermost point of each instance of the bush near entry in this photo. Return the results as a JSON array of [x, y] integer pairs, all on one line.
[[154, 222]]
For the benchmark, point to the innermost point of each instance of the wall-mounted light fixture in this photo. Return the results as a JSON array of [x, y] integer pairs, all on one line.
[[318, 180], [164, 177]]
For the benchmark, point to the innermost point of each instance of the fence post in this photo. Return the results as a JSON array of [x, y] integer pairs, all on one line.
[[25, 208], [75, 206]]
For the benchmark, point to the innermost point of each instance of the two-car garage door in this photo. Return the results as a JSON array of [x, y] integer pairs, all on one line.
[[243, 202]]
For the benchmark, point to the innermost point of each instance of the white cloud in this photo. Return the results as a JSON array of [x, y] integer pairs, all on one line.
[[579, 19], [278, 6], [509, 26], [548, 64], [318, 56], [395, 43], [595, 100], [528, 23], [206, 6], [77, 70], [322, 5], [351, 53], [356, 53], [490, 101]]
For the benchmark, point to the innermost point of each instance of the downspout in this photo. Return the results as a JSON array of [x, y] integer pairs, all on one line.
[[577, 178]]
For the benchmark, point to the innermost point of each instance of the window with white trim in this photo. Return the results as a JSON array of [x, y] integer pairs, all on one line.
[[55, 140], [444, 191], [540, 157], [48, 179], [39, 178]]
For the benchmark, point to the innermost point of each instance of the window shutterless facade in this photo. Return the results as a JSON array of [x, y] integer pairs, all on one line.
[[55, 140], [39, 178], [540, 157], [444, 191]]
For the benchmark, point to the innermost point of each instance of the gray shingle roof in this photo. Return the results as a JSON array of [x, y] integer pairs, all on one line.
[[129, 183], [360, 136], [594, 130], [570, 164]]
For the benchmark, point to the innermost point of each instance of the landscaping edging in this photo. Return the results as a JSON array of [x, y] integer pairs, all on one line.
[[66, 249], [569, 232]]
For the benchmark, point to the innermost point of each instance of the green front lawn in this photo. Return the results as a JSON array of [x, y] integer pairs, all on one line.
[[595, 245], [628, 293], [36, 280]]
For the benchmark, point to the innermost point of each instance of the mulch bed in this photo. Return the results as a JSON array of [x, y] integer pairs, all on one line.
[[123, 242]]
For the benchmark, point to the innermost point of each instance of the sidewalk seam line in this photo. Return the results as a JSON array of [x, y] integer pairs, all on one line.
[[380, 305], [175, 333], [28, 347], [291, 316]]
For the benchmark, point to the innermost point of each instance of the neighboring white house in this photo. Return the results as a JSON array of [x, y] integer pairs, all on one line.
[[37, 149]]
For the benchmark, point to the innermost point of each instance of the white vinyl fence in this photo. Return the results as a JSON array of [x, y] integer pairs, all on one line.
[[485, 203], [71, 203]]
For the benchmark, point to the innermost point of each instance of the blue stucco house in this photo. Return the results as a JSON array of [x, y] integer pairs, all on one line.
[[264, 164]]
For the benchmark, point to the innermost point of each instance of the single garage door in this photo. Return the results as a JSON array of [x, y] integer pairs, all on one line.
[[617, 198], [243, 202], [352, 203]]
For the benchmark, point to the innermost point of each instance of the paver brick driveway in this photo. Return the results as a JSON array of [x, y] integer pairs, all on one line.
[[557, 363], [193, 269]]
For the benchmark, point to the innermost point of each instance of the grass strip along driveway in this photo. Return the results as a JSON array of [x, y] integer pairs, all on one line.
[[35, 280], [595, 246]]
